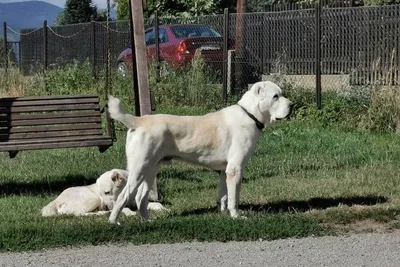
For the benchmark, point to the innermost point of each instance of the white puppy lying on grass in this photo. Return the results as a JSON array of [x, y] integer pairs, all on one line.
[[94, 199]]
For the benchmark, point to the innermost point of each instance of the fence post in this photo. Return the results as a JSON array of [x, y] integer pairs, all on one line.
[[157, 34], [225, 59], [318, 52], [19, 56], [93, 48], [45, 45], [5, 46]]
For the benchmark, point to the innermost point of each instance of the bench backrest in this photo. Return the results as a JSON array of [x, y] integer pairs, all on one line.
[[24, 119]]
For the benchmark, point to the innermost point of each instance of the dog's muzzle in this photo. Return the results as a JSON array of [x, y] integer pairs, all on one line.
[[291, 108]]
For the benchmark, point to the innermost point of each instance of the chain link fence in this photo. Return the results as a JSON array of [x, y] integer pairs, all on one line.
[[359, 46]]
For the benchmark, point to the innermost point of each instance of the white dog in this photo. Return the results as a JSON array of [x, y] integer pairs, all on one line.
[[222, 141], [94, 199]]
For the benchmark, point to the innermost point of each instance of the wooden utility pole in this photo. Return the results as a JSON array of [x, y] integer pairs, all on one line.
[[141, 72], [141, 56], [240, 84]]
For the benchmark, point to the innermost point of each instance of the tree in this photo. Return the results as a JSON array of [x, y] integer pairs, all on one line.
[[78, 11]]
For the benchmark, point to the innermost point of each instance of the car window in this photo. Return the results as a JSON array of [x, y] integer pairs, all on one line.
[[162, 33], [150, 36], [184, 31]]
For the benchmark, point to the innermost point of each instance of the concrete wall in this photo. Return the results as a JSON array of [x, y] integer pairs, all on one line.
[[328, 82]]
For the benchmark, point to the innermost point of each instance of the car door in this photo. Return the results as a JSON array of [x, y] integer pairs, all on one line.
[[150, 42], [163, 42]]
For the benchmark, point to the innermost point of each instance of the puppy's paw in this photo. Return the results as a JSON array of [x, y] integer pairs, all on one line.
[[128, 212], [156, 206]]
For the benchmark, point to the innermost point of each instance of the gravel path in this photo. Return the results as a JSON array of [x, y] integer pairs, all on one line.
[[357, 250]]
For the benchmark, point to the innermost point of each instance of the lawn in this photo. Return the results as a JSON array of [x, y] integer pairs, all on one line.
[[303, 180]]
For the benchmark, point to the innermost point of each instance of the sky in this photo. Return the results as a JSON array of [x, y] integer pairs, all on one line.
[[60, 3]]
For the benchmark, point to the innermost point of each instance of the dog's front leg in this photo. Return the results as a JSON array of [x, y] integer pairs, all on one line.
[[135, 179], [233, 181], [222, 196]]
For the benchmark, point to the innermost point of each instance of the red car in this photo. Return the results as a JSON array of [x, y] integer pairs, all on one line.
[[178, 44]]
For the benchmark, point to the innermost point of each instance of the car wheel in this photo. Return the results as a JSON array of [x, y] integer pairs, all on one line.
[[122, 69]]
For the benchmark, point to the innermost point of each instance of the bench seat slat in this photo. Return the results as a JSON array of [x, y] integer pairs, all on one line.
[[34, 98], [51, 121], [105, 141], [51, 108], [41, 135], [50, 140], [49, 102], [50, 128], [18, 117]]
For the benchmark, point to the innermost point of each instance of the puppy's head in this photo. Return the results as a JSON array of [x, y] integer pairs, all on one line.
[[266, 98], [110, 185]]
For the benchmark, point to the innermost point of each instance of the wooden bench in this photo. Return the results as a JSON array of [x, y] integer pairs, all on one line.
[[70, 121]]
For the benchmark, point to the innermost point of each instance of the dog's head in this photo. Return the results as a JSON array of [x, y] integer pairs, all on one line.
[[110, 185], [265, 101]]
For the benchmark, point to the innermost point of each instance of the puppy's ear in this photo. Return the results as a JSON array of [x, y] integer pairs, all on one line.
[[115, 177]]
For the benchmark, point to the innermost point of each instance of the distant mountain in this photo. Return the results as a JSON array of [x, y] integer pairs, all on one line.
[[28, 14]]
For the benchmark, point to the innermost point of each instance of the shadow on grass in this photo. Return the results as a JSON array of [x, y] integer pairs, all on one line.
[[55, 186], [300, 206]]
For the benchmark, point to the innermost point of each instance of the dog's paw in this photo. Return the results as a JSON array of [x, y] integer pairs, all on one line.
[[237, 216], [146, 221], [113, 222]]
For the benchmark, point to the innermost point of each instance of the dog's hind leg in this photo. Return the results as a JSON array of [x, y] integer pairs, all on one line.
[[222, 197], [142, 196], [153, 195]]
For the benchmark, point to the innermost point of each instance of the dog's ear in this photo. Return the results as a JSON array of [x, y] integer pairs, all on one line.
[[258, 90], [116, 177]]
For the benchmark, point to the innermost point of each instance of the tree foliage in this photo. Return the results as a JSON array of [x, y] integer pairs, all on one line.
[[192, 8], [79, 11], [179, 8]]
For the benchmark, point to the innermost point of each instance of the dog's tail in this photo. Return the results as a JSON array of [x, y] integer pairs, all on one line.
[[118, 113], [50, 209]]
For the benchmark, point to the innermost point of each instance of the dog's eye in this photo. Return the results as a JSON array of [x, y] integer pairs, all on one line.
[[107, 193], [276, 97]]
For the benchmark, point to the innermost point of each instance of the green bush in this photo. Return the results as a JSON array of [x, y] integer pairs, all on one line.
[[378, 111]]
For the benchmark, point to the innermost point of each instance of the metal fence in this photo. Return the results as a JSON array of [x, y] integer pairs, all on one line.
[[340, 46]]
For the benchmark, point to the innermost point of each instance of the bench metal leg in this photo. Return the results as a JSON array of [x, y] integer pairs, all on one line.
[[12, 154], [103, 148]]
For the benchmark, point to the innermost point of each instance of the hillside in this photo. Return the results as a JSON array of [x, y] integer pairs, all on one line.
[[28, 14]]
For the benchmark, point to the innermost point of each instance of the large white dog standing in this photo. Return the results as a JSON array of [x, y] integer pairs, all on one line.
[[222, 141]]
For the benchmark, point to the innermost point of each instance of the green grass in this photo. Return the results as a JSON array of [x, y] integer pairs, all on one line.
[[303, 180], [326, 171]]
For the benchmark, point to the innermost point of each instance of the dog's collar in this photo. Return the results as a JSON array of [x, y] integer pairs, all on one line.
[[259, 124]]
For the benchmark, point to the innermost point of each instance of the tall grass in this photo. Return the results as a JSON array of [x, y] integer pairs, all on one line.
[[192, 85]]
